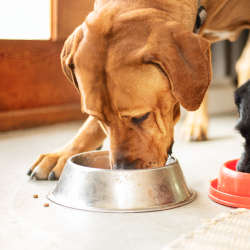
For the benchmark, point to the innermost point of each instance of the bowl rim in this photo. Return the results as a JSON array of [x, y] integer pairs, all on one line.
[[175, 162], [231, 172]]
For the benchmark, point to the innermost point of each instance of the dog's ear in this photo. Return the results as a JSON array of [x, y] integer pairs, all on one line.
[[185, 58], [67, 55]]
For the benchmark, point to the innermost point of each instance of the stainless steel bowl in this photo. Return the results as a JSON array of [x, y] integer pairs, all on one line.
[[88, 183]]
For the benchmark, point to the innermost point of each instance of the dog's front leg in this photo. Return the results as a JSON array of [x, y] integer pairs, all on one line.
[[195, 126], [49, 166]]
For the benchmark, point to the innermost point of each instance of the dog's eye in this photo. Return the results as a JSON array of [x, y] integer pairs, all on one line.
[[138, 120]]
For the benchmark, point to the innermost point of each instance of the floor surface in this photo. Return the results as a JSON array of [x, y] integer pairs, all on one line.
[[26, 224]]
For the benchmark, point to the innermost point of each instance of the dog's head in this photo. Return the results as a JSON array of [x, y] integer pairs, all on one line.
[[133, 71], [242, 101]]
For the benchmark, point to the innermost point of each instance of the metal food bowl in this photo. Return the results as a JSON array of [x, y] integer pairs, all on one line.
[[88, 183]]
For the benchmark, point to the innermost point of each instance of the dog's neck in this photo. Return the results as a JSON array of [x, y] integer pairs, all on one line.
[[225, 19], [184, 11]]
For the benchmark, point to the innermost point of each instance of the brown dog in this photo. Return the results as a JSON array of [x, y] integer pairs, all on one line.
[[134, 63]]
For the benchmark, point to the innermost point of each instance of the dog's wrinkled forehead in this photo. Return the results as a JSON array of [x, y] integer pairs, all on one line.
[[113, 43], [106, 67], [107, 84]]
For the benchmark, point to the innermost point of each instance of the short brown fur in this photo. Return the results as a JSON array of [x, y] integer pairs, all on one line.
[[133, 58]]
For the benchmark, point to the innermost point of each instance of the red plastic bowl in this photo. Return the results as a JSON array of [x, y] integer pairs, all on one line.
[[232, 188]]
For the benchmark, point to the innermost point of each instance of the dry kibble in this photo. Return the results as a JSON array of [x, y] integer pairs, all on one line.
[[46, 204], [35, 196]]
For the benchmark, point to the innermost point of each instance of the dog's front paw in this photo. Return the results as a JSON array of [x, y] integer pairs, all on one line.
[[195, 127], [48, 166]]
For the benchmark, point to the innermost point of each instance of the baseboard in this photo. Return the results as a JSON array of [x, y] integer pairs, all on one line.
[[27, 118]]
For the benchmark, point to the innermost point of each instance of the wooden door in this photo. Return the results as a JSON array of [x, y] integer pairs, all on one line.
[[33, 88]]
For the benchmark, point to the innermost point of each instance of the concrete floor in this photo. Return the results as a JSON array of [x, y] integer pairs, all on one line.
[[26, 224]]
